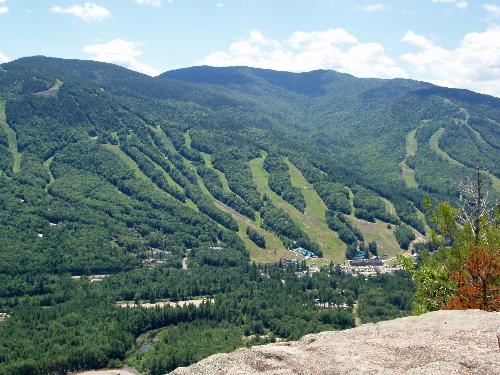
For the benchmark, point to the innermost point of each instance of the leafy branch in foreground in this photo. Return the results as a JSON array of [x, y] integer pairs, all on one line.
[[478, 286], [463, 272]]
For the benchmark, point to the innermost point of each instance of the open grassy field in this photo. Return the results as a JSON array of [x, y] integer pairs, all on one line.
[[312, 221], [421, 216], [389, 206], [11, 139], [411, 143], [187, 139], [380, 233]]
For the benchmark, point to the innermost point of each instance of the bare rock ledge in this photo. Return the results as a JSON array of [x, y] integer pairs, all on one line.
[[441, 342]]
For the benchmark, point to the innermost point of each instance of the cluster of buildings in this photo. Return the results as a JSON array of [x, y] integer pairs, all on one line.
[[362, 262], [307, 254], [4, 316], [215, 248], [155, 256], [368, 267]]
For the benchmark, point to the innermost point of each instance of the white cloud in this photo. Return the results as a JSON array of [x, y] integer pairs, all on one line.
[[3, 9], [305, 51], [153, 3], [418, 40], [370, 8], [492, 9], [461, 4], [474, 64], [4, 58], [88, 12], [120, 52]]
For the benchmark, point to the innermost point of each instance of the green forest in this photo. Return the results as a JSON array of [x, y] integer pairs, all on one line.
[[121, 189]]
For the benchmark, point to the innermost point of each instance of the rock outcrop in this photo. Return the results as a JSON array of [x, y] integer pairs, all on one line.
[[442, 342]]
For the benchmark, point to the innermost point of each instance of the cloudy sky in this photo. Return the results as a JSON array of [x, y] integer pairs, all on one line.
[[454, 43]]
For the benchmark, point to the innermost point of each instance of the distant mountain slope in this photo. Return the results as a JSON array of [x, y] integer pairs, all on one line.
[[338, 110], [35, 72], [173, 137], [301, 83]]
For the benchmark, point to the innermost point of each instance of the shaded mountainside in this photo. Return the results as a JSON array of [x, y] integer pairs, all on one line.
[[439, 343]]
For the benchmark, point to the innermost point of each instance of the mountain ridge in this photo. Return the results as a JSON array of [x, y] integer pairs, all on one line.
[[202, 70]]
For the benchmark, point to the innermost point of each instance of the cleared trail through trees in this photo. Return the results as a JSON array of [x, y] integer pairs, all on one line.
[[407, 172], [167, 143], [411, 147], [51, 91], [313, 220], [357, 319], [11, 139], [436, 137], [127, 160], [222, 176], [47, 164], [434, 145], [275, 250], [377, 231]]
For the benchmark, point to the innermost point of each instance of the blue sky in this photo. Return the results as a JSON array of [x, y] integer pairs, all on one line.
[[454, 43]]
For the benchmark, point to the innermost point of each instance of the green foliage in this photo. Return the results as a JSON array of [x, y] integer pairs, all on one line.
[[335, 196], [386, 298], [72, 325], [408, 214], [214, 185], [452, 242], [404, 235], [467, 146], [279, 222], [432, 172], [233, 162], [338, 222], [369, 206], [372, 247], [93, 194], [186, 343], [434, 286], [280, 183], [256, 238]]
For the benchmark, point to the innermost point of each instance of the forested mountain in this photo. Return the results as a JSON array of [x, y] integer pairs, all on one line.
[[170, 186]]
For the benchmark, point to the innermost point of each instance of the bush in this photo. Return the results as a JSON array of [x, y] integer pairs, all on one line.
[[404, 235]]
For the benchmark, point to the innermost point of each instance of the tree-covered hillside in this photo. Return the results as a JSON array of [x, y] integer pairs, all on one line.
[[178, 160], [119, 187]]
